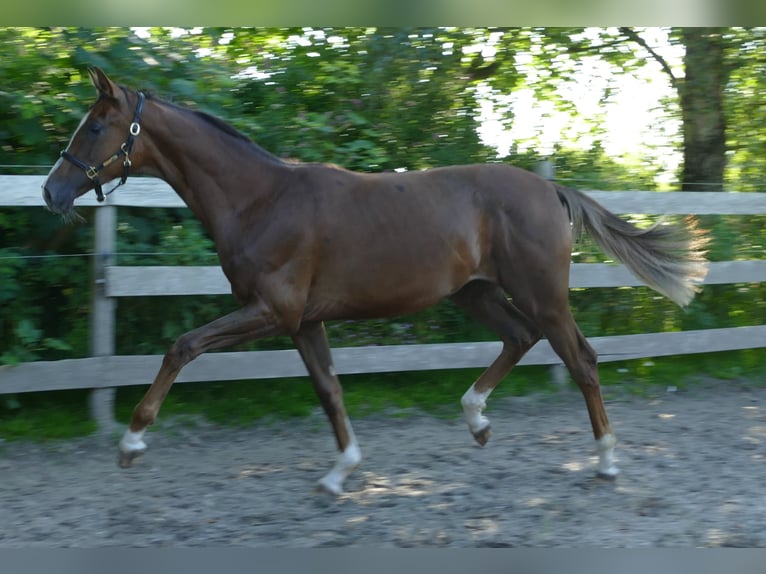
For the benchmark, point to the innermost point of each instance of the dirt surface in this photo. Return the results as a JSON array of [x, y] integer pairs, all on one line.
[[692, 466]]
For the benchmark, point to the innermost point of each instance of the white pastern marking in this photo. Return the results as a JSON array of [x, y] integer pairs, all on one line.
[[348, 460], [132, 441], [473, 405], [605, 446]]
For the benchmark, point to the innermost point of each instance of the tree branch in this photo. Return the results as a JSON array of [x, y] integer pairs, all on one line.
[[591, 49], [478, 72], [633, 35]]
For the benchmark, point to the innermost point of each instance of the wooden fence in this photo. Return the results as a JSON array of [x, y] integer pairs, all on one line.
[[104, 371]]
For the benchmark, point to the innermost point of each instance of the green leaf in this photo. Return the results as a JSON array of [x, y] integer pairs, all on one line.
[[27, 332]]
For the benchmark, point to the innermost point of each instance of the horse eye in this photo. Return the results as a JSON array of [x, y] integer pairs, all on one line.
[[95, 128]]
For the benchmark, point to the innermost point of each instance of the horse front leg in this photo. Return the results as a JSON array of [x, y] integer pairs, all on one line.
[[245, 324], [311, 342]]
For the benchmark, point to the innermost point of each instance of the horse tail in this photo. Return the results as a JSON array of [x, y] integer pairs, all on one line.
[[668, 258]]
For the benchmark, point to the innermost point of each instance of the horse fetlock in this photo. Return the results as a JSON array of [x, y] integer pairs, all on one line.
[[143, 417], [606, 463], [473, 403], [131, 447], [348, 461]]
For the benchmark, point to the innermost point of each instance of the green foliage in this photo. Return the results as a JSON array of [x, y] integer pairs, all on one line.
[[745, 101], [43, 288], [29, 343], [362, 98]]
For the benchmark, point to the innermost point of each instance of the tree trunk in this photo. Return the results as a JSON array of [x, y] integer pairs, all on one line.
[[704, 124]]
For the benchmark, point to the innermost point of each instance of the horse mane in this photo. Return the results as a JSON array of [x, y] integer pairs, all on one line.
[[217, 123]]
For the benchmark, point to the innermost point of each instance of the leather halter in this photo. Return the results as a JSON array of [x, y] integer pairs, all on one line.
[[125, 149]]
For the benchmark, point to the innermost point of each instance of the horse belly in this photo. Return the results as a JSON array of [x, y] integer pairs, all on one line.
[[363, 303], [390, 285]]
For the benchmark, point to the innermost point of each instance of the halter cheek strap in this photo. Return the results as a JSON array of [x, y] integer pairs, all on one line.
[[92, 172]]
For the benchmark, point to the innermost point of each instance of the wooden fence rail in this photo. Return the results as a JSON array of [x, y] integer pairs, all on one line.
[[104, 371]]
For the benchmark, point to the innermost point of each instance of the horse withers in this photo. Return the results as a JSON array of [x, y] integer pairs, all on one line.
[[304, 243]]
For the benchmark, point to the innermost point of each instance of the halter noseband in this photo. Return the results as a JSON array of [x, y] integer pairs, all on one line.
[[125, 149]]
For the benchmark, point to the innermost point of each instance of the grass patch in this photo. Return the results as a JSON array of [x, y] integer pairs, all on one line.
[[64, 414], [242, 402], [45, 416], [684, 370]]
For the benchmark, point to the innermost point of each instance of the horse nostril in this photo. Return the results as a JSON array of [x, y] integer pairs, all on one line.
[[47, 196]]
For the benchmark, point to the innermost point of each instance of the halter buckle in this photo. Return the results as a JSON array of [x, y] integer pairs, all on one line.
[[92, 173], [126, 153]]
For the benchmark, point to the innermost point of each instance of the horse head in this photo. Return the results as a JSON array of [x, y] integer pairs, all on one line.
[[106, 134]]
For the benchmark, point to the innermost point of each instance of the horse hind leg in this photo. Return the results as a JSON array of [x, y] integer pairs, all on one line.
[[570, 344], [488, 304], [311, 342]]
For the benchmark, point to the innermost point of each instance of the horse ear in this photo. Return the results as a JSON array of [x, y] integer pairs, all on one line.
[[100, 80]]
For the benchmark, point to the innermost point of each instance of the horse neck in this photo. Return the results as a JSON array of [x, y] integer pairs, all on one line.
[[215, 173]]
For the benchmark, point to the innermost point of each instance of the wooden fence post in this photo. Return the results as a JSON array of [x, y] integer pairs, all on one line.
[[546, 169], [103, 313]]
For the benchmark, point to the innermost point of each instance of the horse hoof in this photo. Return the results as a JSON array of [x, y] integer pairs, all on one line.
[[126, 459], [610, 474], [483, 435], [328, 489]]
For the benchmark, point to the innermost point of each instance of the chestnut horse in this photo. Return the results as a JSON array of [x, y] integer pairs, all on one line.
[[304, 243]]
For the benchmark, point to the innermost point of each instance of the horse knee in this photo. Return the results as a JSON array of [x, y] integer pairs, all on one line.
[[182, 352], [521, 340]]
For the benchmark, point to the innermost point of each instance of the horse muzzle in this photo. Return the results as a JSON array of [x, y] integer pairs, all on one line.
[[59, 203]]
